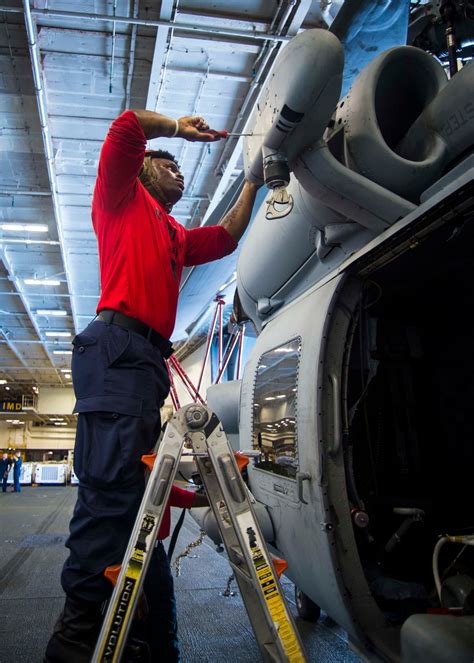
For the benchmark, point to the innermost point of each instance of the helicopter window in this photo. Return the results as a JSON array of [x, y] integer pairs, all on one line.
[[274, 409]]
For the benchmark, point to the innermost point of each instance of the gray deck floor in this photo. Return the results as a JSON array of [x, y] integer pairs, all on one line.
[[213, 628]]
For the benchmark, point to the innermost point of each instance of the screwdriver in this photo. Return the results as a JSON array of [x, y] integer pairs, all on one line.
[[226, 134]]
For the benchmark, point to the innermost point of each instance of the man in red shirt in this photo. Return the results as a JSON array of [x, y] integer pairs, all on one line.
[[120, 378]]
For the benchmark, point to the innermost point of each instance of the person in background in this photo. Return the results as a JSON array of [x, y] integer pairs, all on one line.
[[18, 462], [5, 464]]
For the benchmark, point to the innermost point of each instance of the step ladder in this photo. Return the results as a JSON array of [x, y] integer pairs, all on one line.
[[195, 429]]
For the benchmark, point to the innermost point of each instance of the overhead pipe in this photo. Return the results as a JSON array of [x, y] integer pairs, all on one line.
[[128, 20], [131, 61], [114, 36], [47, 141], [239, 78], [165, 7], [24, 192], [50, 242]]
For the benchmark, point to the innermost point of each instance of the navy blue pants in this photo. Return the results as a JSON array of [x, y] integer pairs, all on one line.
[[161, 628], [16, 482], [120, 381]]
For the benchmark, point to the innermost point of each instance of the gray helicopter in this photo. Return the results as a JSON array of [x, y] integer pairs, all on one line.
[[357, 275]]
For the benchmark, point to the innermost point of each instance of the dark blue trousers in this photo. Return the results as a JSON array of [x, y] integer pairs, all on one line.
[[120, 382], [161, 628], [16, 482]]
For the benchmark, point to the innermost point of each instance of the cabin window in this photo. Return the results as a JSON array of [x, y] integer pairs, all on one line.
[[274, 409]]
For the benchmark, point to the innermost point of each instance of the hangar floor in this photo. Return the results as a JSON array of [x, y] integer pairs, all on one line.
[[33, 526]]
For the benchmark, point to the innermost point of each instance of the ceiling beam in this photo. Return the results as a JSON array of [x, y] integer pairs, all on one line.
[[33, 46], [182, 27], [24, 192], [239, 78], [160, 56], [298, 17]]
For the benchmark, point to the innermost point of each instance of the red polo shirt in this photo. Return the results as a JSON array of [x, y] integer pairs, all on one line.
[[142, 249]]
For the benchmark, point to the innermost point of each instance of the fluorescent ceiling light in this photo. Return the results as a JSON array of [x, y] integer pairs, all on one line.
[[42, 282], [62, 352], [67, 376], [49, 311], [60, 423], [57, 333], [3, 382], [65, 370], [27, 227], [50, 242]]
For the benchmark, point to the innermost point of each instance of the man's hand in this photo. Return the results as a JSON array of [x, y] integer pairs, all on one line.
[[196, 129]]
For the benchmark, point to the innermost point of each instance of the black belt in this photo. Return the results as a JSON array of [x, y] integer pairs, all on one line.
[[110, 316]]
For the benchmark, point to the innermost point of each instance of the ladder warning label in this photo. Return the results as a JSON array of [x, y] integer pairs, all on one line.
[[125, 601], [270, 591], [122, 607], [144, 543]]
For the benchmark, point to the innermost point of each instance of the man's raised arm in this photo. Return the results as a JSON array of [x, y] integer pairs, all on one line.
[[193, 129], [237, 218]]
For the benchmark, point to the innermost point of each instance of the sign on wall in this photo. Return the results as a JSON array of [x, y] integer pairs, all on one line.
[[11, 406]]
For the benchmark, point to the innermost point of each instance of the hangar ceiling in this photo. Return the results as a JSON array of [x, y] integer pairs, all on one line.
[[67, 69]]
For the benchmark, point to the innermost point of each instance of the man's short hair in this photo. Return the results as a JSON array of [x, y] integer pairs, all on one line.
[[147, 175], [161, 154]]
